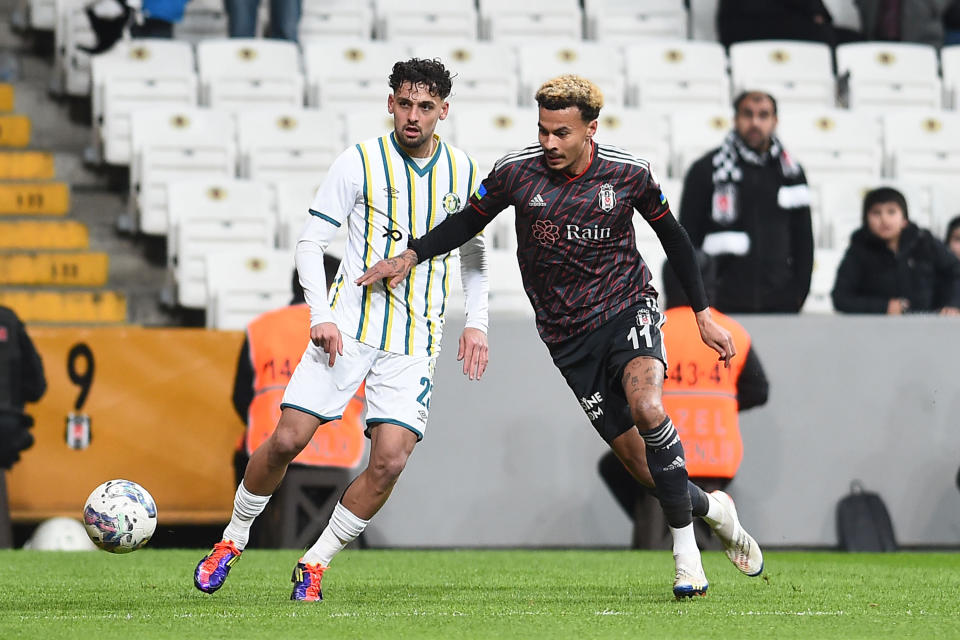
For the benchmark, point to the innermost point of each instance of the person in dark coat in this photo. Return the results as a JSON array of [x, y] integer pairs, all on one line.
[[893, 266], [743, 20]]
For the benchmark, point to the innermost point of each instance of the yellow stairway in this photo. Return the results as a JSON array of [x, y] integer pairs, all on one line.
[[47, 272]]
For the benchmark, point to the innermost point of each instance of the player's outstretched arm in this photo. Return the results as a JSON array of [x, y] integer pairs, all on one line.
[[474, 352], [715, 336]]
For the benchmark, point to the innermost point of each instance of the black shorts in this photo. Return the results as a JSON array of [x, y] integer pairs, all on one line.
[[593, 364]]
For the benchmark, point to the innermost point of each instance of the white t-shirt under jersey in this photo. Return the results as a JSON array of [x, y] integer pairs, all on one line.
[[380, 196]]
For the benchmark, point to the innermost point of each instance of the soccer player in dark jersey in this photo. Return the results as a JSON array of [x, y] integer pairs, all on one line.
[[596, 309]]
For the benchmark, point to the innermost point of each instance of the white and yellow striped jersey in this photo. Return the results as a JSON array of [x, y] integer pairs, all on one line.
[[381, 196]]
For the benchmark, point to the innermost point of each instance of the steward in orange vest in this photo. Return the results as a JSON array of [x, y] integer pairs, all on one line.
[[703, 398], [273, 346]]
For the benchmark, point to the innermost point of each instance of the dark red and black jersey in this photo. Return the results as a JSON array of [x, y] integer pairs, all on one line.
[[576, 244]]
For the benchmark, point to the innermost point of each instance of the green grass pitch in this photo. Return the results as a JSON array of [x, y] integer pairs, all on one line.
[[479, 594]]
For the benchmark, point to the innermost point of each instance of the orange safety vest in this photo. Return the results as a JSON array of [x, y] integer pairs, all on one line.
[[276, 345], [700, 394]]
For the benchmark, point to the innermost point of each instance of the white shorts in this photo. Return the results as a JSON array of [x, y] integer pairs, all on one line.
[[398, 386]]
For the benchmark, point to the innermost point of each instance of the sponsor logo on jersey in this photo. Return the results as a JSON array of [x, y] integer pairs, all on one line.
[[537, 201], [607, 197], [451, 203], [591, 406], [546, 233], [393, 234], [391, 192], [596, 232]]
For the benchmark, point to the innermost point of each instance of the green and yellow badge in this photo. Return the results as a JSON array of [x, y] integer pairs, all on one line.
[[451, 203]]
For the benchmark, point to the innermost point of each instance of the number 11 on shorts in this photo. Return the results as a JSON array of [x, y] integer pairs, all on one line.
[[634, 336]]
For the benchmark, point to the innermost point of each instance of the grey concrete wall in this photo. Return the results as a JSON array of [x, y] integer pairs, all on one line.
[[511, 460]]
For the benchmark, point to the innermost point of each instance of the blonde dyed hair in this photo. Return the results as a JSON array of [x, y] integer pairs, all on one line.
[[571, 91]]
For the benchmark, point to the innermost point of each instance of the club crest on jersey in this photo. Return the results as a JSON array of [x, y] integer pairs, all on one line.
[[451, 203], [608, 197], [644, 316]]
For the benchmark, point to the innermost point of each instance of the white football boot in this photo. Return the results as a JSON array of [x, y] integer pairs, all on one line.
[[690, 580], [742, 550]]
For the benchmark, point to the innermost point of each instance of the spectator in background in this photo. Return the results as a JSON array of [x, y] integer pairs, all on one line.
[[747, 203], [21, 381], [705, 398], [951, 24], [284, 18], [159, 17], [903, 20], [742, 20], [893, 266], [953, 236]]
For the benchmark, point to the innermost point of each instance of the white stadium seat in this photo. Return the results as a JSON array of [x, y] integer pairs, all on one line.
[[677, 74], [202, 20], [245, 73], [922, 145], [287, 144], [629, 20], [331, 19], [522, 22], [489, 134], [795, 73], [344, 74], [293, 211], [888, 75], [600, 63], [693, 133], [364, 123], [207, 216], [832, 142], [506, 285], [641, 133], [650, 250], [175, 143], [137, 74], [243, 284], [43, 14], [485, 73], [401, 19], [501, 234], [71, 66], [950, 65], [825, 264]]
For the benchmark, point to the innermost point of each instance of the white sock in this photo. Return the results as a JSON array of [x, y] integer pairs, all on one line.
[[343, 528], [684, 541], [718, 517], [246, 507]]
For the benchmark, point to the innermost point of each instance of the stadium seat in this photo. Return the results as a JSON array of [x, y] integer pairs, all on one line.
[[175, 143], [693, 133], [486, 73], [293, 201], [883, 76], [134, 74], [644, 134], [202, 20], [832, 142], [521, 22], [506, 285], [245, 73], [650, 250], [677, 74], [364, 123], [629, 21], [825, 264], [287, 144], [401, 19], [795, 73], [71, 65], [501, 234], [243, 284], [331, 19], [344, 74], [950, 68], [489, 134], [922, 145], [601, 63], [212, 215]]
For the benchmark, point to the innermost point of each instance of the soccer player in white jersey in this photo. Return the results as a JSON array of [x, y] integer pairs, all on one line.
[[383, 191]]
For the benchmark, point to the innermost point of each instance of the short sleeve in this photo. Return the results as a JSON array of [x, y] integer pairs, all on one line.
[[338, 194], [648, 198], [491, 196]]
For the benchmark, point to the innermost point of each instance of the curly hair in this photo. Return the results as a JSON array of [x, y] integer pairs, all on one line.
[[429, 73], [571, 91]]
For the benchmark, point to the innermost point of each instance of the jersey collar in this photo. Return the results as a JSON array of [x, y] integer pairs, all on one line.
[[410, 161]]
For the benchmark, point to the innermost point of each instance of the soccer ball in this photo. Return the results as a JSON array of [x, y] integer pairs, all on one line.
[[120, 516]]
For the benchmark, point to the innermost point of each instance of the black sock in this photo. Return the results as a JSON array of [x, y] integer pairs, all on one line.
[[698, 500], [669, 470]]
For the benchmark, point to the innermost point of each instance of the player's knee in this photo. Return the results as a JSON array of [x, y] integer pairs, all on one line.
[[387, 468], [286, 444], [647, 413]]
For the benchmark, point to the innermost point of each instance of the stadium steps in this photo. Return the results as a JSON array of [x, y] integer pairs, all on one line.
[[48, 274]]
